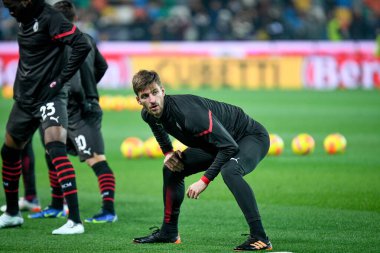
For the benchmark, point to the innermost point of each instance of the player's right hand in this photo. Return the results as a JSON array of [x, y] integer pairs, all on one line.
[[173, 161], [90, 108]]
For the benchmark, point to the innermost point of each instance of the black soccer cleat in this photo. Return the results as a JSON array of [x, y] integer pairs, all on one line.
[[254, 244], [158, 237]]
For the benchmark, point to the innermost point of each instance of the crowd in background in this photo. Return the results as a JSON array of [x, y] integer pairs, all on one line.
[[220, 20]]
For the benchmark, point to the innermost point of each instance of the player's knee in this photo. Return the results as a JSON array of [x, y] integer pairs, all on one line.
[[55, 134], [231, 170], [12, 142], [95, 159], [171, 175]]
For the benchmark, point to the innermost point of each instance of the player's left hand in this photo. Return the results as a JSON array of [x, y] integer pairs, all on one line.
[[174, 162], [196, 189]]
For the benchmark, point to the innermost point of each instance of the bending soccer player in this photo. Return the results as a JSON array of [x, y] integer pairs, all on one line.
[[40, 96], [221, 139], [84, 131]]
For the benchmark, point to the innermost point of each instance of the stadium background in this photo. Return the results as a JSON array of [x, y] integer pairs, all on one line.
[[296, 66]]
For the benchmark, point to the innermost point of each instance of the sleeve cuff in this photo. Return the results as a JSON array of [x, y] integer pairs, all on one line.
[[205, 180], [166, 153]]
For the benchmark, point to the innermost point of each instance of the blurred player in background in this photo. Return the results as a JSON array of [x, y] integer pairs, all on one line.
[[221, 139], [84, 131], [40, 97]]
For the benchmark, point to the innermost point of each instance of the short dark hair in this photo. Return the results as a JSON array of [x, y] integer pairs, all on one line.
[[66, 8], [143, 78]]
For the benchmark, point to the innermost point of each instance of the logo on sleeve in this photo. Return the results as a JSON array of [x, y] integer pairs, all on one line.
[[53, 84]]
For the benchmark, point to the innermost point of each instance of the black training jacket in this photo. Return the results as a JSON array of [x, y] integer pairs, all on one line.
[[201, 123], [84, 83], [92, 70], [42, 55]]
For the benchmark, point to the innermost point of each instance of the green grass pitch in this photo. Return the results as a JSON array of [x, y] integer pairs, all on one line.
[[314, 203]]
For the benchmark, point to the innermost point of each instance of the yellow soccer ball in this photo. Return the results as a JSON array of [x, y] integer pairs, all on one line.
[[335, 143], [276, 145], [177, 145], [118, 103], [152, 149], [132, 147], [303, 144], [7, 91], [132, 104], [105, 102]]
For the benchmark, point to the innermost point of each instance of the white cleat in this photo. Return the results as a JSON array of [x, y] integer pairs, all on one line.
[[69, 228], [32, 206], [25, 205], [7, 221]]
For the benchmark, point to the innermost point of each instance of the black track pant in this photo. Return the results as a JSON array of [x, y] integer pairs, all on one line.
[[253, 149]]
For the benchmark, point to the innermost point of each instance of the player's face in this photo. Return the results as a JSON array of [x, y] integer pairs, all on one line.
[[17, 8], [152, 99]]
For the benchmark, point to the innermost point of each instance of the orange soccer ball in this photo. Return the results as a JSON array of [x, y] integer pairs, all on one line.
[[132, 147], [7, 91], [335, 143], [276, 145], [152, 149]]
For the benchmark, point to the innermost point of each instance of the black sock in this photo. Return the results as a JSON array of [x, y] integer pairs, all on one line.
[[66, 177], [28, 173], [11, 176], [106, 182], [174, 192], [56, 190]]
